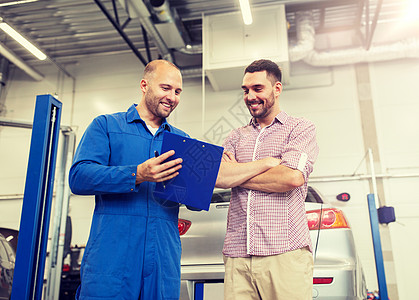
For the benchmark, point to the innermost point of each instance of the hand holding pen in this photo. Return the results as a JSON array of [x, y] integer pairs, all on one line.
[[157, 170]]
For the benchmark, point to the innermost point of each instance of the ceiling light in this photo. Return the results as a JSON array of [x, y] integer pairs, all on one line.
[[21, 40], [246, 13], [412, 11], [17, 2]]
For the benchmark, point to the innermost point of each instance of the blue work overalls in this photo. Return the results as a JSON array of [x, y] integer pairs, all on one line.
[[134, 249]]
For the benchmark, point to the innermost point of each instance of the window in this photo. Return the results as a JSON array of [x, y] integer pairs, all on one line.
[[3, 253], [313, 196], [10, 252]]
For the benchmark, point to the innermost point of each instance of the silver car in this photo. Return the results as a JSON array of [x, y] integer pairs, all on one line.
[[337, 270], [7, 266]]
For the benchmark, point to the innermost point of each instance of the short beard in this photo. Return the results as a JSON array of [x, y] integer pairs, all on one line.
[[153, 105], [269, 103]]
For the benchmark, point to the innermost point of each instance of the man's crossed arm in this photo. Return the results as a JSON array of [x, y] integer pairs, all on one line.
[[266, 175]]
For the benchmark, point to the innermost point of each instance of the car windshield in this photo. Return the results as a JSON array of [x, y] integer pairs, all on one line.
[[219, 197], [225, 195]]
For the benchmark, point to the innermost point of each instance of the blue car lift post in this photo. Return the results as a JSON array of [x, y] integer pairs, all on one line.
[[375, 232], [34, 223], [378, 253], [199, 291]]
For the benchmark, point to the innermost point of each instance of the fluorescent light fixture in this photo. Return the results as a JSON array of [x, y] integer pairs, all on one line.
[[412, 11], [21, 40], [17, 2], [246, 13]]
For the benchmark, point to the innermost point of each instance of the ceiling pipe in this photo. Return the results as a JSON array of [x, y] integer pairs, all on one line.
[[403, 49], [169, 25], [137, 9], [304, 48], [191, 72], [191, 49], [161, 10], [305, 36], [18, 62]]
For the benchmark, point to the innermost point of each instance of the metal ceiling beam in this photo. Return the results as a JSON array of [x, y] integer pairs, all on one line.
[[120, 30], [147, 46], [373, 24]]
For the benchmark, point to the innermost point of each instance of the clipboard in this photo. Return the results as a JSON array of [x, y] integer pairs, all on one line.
[[196, 180]]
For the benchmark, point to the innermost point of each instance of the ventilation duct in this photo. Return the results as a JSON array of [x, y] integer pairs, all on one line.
[[161, 22], [403, 49], [191, 72], [304, 48], [137, 9], [305, 37], [168, 24], [161, 11]]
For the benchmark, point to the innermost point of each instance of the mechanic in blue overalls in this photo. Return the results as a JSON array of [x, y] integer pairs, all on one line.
[[134, 249]]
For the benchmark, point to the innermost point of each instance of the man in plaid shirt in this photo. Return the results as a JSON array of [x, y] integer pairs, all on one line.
[[267, 248]]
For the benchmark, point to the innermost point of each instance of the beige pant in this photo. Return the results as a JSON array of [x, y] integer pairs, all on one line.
[[287, 276]]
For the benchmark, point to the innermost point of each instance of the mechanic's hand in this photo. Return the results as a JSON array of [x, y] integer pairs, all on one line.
[[155, 170]]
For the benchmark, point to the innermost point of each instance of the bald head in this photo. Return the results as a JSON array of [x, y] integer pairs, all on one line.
[[161, 86], [151, 67]]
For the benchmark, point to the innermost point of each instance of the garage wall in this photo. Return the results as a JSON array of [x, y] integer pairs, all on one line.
[[396, 103], [327, 96]]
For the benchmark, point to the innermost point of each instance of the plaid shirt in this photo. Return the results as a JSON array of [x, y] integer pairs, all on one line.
[[261, 223]]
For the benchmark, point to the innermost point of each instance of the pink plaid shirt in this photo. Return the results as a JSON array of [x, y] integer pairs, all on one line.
[[261, 223]]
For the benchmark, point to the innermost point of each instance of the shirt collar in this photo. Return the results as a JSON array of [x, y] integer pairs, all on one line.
[[281, 118], [132, 116], [166, 125]]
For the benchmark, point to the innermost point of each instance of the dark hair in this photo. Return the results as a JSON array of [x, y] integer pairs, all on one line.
[[273, 72]]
